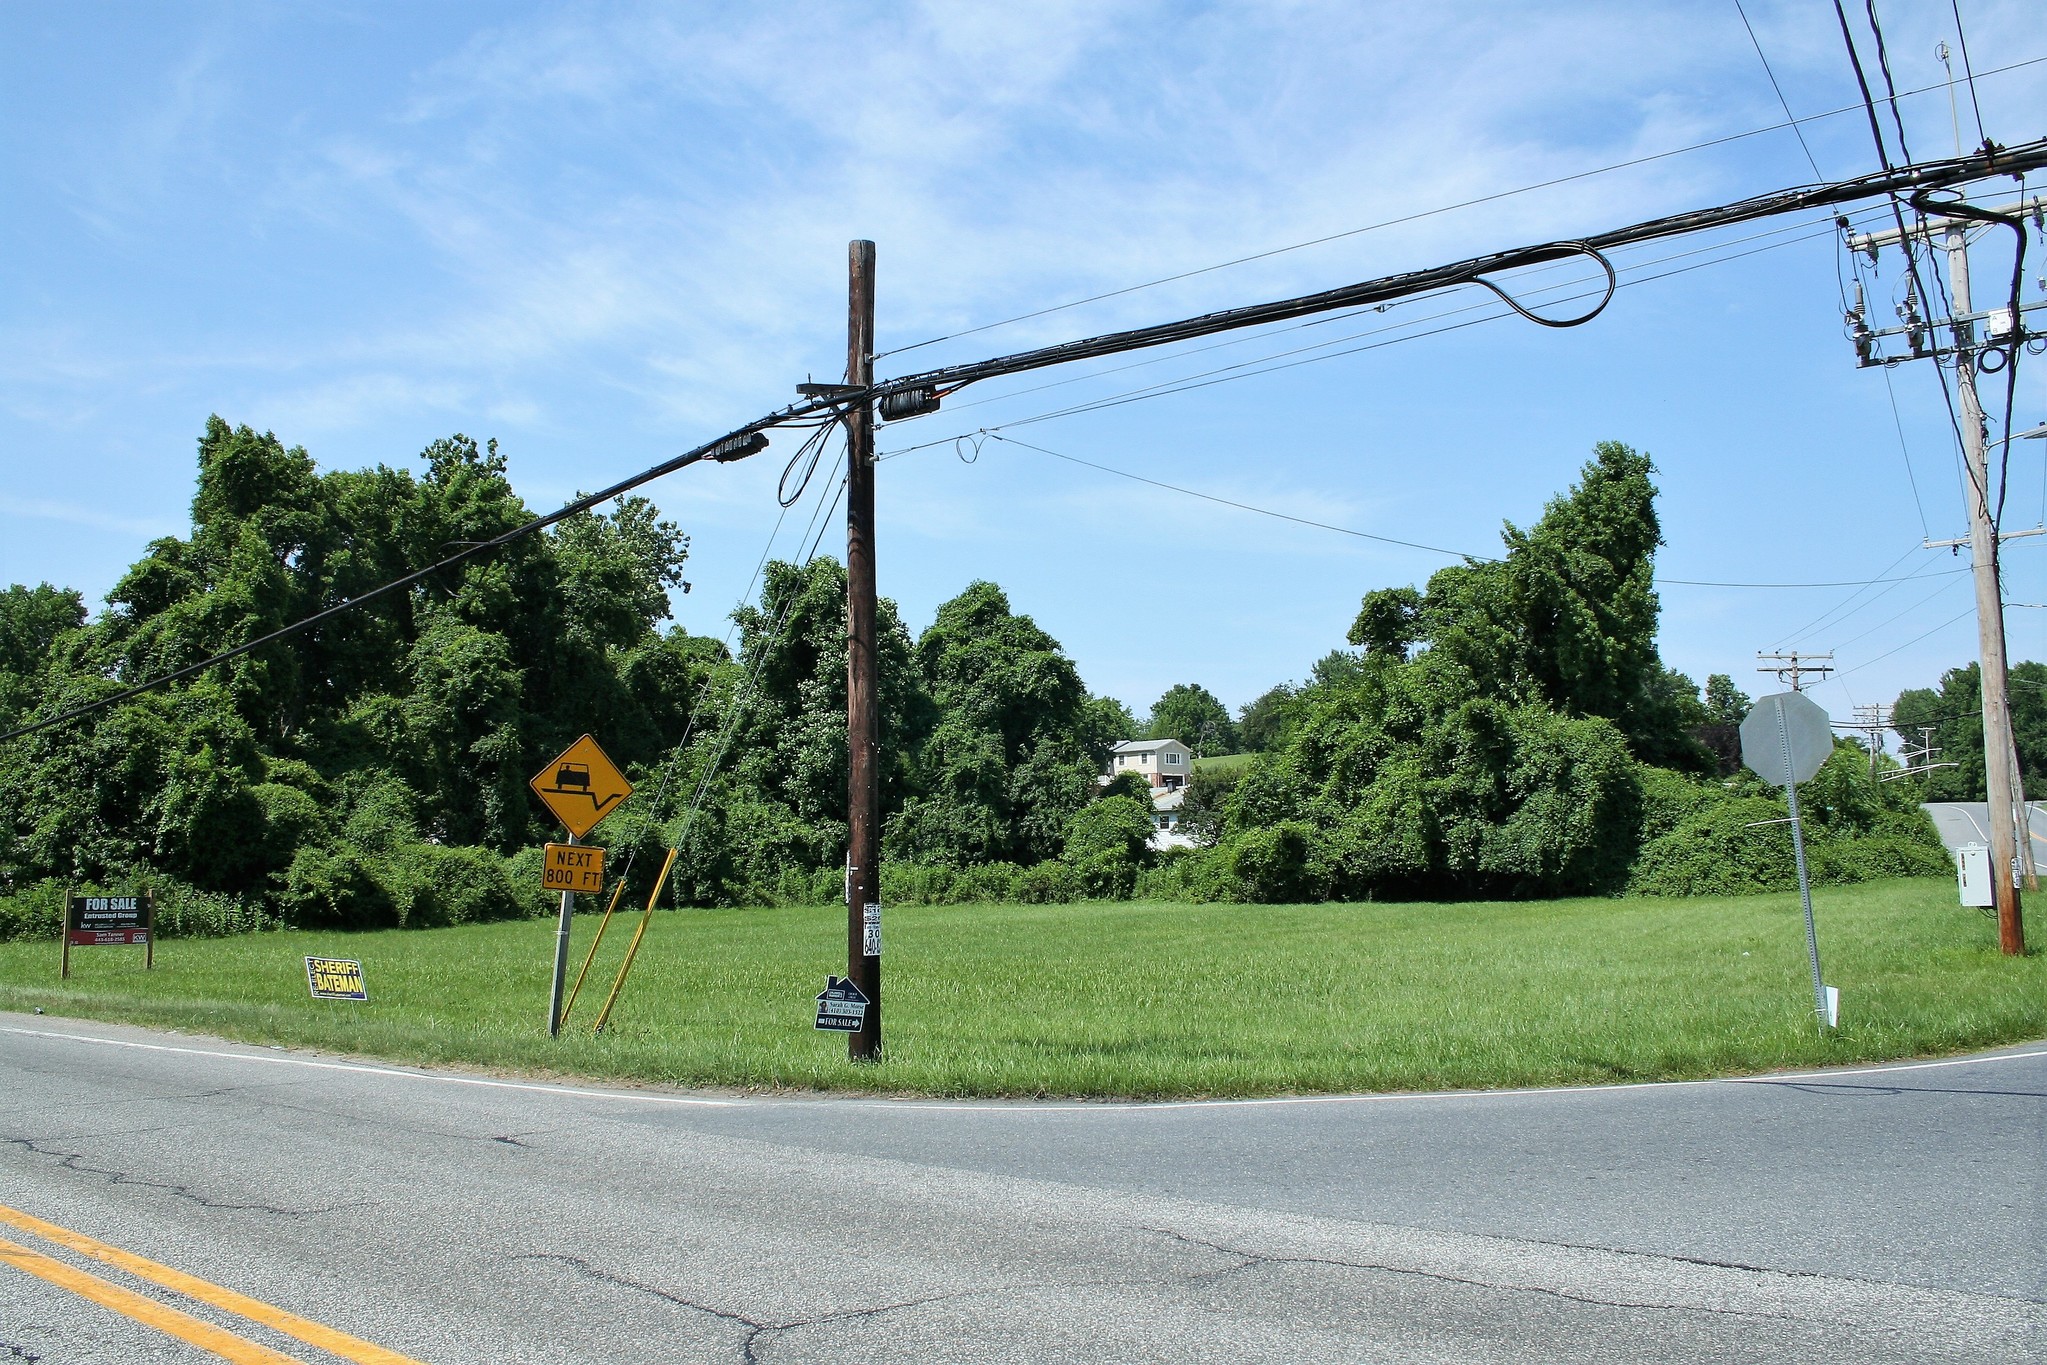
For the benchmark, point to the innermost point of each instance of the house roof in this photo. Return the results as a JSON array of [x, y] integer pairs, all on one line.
[[1144, 746], [1168, 799]]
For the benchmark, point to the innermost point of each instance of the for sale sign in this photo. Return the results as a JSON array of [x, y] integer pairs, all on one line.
[[91, 921]]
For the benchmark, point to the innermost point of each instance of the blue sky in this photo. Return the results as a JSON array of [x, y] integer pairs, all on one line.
[[605, 233]]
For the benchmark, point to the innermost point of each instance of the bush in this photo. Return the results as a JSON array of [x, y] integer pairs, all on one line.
[[1048, 883], [1269, 866], [432, 885], [1877, 857], [522, 871], [336, 887]]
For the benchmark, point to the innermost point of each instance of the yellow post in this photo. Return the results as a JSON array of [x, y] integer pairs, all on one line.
[[602, 925], [638, 934]]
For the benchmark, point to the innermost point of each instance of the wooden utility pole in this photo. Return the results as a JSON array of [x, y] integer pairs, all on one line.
[[863, 795], [1999, 754], [1983, 550]]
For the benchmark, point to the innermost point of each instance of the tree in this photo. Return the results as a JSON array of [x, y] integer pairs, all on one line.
[[1017, 743], [31, 619], [1567, 619], [401, 728], [1954, 710], [1726, 704], [1262, 721], [1191, 714]]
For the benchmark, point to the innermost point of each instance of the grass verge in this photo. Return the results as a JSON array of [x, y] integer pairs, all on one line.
[[1140, 999]]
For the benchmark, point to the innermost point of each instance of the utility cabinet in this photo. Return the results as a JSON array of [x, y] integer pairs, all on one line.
[[1972, 872]]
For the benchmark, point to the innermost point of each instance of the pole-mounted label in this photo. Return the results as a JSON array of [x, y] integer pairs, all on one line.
[[870, 931]]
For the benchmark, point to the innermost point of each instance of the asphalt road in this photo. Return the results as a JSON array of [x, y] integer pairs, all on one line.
[[1968, 822], [1891, 1214]]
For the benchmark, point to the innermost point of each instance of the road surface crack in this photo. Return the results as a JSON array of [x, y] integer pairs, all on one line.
[[76, 1161], [1249, 1259], [754, 1329], [21, 1353]]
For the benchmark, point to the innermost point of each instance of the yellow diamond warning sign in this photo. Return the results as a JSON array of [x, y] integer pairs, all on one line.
[[581, 786], [573, 867]]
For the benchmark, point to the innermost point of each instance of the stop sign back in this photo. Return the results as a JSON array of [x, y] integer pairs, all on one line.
[[1786, 737]]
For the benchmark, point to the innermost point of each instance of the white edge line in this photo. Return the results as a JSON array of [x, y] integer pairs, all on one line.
[[1025, 1107], [316, 1065]]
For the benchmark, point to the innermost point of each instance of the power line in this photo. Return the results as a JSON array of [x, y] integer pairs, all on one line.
[[1425, 213], [1969, 71], [1367, 535], [1800, 227], [1913, 641], [1248, 369], [1939, 588], [1779, 89], [1828, 615]]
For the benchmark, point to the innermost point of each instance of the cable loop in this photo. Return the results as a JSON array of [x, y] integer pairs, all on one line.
[[812, 449], [1571, 249], [975, 440]]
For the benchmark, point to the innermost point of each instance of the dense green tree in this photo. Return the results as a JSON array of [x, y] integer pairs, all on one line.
[[1191, 714], [31, 619], [1567, 619], [1261, 722], [450, 693], [1018, 742], [1954, 713], [1726, 704]]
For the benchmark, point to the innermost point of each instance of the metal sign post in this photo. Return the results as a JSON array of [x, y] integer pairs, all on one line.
[[581, 785], [1785, 740]]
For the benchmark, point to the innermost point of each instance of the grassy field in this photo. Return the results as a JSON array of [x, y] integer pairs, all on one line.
[[1130, 999]]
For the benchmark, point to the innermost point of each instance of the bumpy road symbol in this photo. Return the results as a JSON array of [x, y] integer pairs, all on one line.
[[581, 785]]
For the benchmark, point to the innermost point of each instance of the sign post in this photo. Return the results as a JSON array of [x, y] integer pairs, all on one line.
[[102, 921], [1785, 740], [581, 785]]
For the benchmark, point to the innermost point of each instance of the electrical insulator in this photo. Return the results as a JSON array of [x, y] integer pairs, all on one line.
[[904, 403]]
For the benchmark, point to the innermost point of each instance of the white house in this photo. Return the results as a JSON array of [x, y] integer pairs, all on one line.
[[1164, 763], [1165, 814]]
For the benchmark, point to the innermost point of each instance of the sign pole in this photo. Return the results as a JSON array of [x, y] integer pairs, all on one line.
[[149, 948], [1812, 938], [863, 798], [561, 961]]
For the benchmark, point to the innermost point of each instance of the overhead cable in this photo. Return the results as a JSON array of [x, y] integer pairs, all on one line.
[[1403, 219]]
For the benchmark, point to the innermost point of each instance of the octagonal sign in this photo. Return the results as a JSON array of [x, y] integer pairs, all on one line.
[[1786, 725]]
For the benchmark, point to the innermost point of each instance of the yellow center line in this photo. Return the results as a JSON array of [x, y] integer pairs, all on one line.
[[149, 1312], [312, 1333]]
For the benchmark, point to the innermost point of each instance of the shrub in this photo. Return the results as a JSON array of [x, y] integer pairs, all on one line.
[[336, 887], [1269, 866], [1048, 883], [433, 884]]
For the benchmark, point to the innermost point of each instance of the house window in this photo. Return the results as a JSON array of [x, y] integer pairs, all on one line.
[[1173, 759]]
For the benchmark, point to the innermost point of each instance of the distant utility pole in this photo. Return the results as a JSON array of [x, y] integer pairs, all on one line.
[[1871, 720], [1791, 668], [863, 791], [2006, 326], [1922, 757]]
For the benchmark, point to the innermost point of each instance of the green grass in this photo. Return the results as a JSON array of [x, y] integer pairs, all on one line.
[[1224, 762], [1130, 999]]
